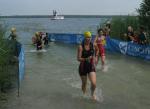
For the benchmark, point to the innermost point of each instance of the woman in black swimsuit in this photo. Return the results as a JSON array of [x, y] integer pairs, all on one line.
[[86, 56]]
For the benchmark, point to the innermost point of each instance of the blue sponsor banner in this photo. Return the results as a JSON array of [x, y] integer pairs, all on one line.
[[21, 64], [138, 50], [129, 48], [113, 45], [66, 37]]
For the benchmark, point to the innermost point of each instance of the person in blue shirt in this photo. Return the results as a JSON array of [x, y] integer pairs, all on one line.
[[142, 36]]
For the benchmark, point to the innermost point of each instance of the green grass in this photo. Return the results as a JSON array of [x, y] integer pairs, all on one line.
[[120, 24], [4, 49], [7, 72]]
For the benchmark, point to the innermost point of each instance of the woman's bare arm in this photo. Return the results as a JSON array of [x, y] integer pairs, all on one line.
[[79, 54]]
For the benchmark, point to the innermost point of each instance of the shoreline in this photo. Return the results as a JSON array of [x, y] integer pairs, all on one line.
[[66, 16]]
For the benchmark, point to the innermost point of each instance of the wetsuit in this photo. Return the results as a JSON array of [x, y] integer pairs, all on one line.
[[12, 36], [39, 45], [86, 67], [142, 38], [129, 34], [33, 40], [45, 40], [100, 46]]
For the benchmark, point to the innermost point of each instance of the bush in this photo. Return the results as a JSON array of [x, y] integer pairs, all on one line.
[[8, 70], [144, 14], [120, 24]]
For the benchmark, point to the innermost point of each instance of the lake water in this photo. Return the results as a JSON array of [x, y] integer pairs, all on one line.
[[51, 78]]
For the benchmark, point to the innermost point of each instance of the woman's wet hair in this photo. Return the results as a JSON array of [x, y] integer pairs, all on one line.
[[100, 29], [142, 28]]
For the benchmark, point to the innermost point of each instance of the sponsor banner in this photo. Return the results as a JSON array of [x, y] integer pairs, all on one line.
[[67, 38], [129, 48], [113, 45]]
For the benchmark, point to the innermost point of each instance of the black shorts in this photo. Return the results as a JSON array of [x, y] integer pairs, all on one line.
[[46, 42], [85, 68], [38, 47]]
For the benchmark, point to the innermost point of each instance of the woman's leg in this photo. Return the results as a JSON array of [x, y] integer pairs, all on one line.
[[103, 60], [102, 54], [92, 78], [84, 83]]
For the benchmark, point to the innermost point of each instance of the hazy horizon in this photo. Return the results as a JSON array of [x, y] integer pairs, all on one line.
[[68, 7]]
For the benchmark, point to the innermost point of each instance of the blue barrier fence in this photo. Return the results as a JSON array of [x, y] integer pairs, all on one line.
[[126, 48], [67, 38], [21, 63]]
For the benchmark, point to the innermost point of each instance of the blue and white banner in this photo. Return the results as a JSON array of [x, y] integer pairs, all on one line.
[[66, 37], [129, 48], [126, 48]]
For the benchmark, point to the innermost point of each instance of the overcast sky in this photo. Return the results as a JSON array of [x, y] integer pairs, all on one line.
[[69, 7]]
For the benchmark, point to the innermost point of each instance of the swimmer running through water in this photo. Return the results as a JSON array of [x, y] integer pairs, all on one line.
[[45, 39], [13, 34], [85, 56], [100, 42], [38, 41]]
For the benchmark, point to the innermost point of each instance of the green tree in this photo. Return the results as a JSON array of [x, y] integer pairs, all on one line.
[[144, 14], [5, 57], [120, 24]]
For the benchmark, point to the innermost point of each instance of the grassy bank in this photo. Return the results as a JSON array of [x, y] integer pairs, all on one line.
[[120, 24], [8, 67]]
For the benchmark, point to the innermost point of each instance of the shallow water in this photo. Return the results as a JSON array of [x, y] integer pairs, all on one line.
[[51, 78]]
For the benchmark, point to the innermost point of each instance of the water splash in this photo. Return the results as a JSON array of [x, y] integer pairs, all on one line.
[[33, 51], [104, 68], [99, 95]]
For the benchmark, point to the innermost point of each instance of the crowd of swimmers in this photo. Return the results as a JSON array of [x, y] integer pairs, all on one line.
[[89, 52], [88, 55], [40, 39]]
